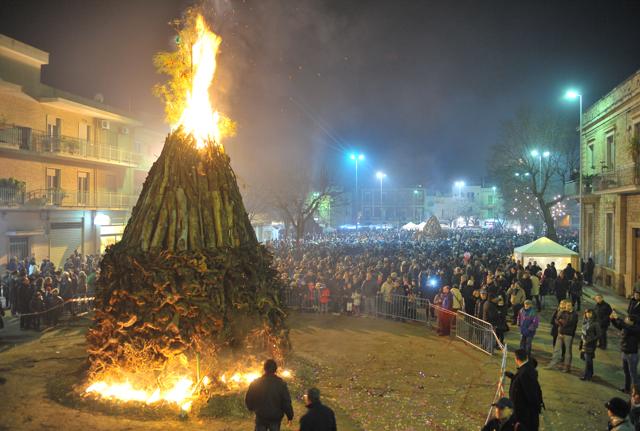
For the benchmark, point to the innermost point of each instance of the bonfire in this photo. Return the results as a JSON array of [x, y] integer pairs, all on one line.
[[188, 284]]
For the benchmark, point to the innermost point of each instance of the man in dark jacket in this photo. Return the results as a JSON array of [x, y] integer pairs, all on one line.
[[525, 392], [629, 330], [504, 419], [567, 322], [268, 397], [602, 311], [318, 417], [634, 304]]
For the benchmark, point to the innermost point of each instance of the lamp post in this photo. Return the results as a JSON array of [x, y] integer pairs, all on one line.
[[459, 185], [356, 158], [572, 95], [495, 204], [381, 176], [539, 155]]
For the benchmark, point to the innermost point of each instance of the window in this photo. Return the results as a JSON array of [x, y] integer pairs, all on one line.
[[84, 132], [53, 192], [490, 199], [367, 197], [54, 131], [83, 188], [54, 127], [609, 240], [610, 159], [590, 155], [19, 247]]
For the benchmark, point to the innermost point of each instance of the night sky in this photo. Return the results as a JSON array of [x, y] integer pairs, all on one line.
[[421, 87]]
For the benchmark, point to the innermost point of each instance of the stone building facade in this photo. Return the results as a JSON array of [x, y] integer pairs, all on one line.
[[610, 151]]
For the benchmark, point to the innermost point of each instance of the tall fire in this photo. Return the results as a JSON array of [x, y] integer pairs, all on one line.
[[187, 300]]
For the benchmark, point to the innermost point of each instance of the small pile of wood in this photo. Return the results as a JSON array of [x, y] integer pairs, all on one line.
[[188, 276]]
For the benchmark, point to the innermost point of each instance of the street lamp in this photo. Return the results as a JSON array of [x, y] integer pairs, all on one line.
[[545, 154], [573, 95], [357, 158], [459, 185], [381, 176]]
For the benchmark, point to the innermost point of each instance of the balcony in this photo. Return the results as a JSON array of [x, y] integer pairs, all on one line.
[[11, 198], [623, 179], [27, 139], [619, 180]]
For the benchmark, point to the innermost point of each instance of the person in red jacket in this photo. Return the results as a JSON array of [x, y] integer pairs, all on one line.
[[325, 296]]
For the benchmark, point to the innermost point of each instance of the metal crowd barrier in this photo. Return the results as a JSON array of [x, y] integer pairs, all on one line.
[[500, 392], [401, 307], [476, 332], [300, 299]]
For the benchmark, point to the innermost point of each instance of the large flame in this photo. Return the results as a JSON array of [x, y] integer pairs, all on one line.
[[198, 116], [179, 390]]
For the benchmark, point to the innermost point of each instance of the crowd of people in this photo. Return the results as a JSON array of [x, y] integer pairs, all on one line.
[[473, 272], [40, 293], [370, 272]]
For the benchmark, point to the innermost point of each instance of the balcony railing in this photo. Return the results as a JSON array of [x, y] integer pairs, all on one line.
[[59, 198], [11, 197], [25, 138], [620, 177]]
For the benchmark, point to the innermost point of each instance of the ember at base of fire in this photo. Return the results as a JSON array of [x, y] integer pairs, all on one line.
[[180, 391]]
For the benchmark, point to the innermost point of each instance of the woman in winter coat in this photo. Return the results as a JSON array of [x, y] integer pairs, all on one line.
[[528, 322], [589, 340], [444, 315]]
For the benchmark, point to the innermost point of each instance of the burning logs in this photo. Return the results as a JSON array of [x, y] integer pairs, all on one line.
[[188, 276]]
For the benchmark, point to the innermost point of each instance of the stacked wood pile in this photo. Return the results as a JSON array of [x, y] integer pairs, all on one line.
[[432, 228], [188, 275]]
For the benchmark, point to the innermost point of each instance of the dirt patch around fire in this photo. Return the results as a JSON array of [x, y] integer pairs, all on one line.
[[376, 374]]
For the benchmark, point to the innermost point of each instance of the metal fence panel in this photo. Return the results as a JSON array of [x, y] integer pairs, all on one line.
[[476, 332]]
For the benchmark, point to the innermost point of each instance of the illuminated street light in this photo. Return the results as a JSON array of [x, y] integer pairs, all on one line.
[[572, 95], [459, 185], [381, 176], [545, 154], [357, 158]]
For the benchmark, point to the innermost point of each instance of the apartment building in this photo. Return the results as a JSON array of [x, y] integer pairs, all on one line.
[[70, 167], [393, 205], [610, 156]]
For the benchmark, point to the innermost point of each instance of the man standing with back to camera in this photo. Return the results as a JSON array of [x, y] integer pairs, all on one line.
[[268, 397]]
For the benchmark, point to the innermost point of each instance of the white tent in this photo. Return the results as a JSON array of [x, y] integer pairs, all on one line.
[[410, 226], [545, 251]]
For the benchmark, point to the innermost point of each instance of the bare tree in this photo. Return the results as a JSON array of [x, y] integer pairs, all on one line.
[[532, 161], [299, 195]]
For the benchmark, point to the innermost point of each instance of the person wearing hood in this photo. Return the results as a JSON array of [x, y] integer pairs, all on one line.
[[591, 333], [504, 419], [618, 411], [318, 417], [528, 322]]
